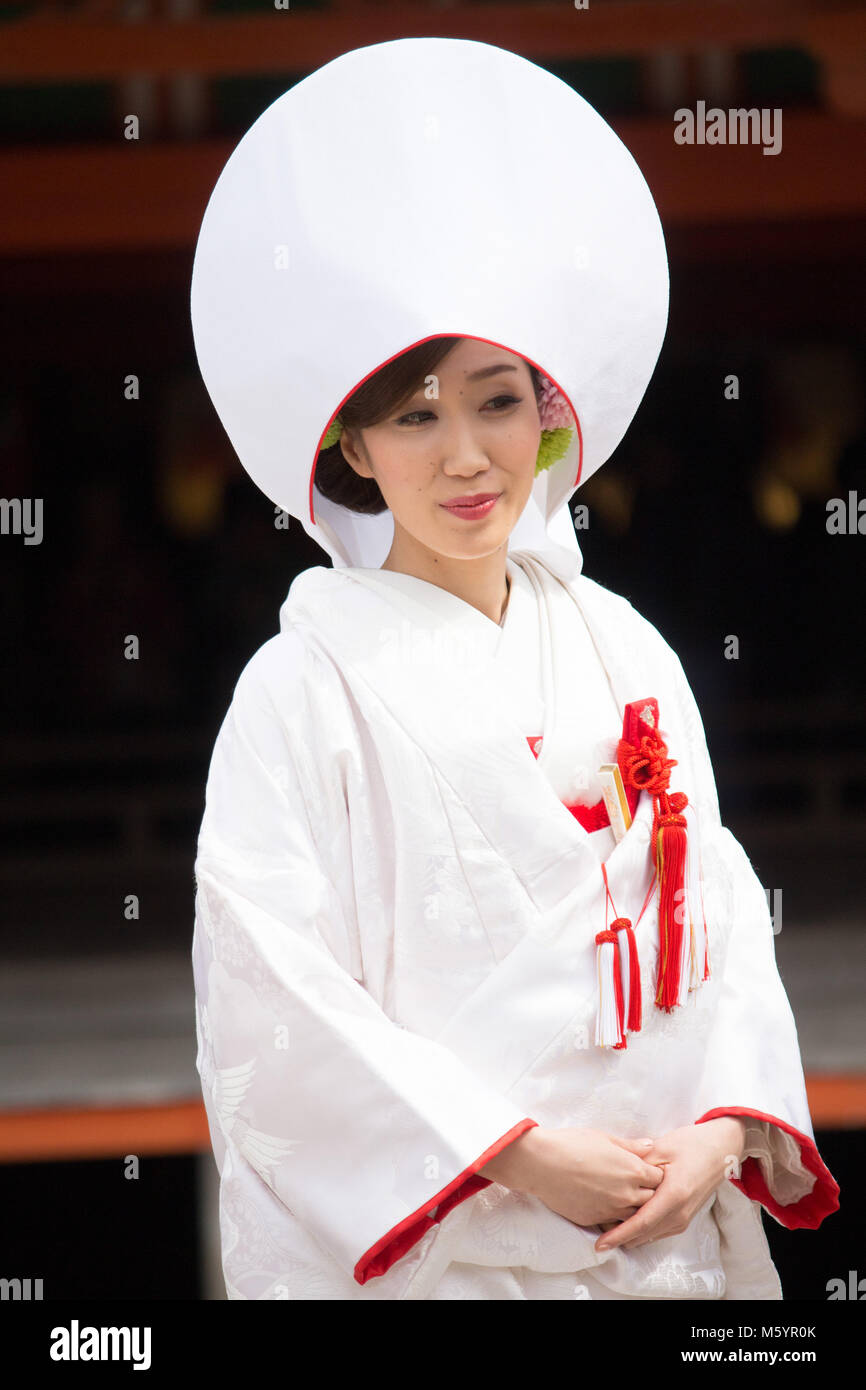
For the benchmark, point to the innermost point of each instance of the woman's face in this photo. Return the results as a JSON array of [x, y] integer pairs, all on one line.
[[477, 434]]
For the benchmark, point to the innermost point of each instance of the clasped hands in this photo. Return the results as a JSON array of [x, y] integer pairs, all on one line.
[[694, 1160]]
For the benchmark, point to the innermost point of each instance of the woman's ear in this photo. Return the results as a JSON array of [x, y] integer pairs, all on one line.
[[355, 454]]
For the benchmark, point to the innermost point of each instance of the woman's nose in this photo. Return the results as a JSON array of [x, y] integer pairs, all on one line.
[[462, 450]]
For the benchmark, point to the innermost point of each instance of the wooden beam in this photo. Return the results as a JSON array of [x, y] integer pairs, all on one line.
[[134, 197], [58, 1134], [836, 1101], [65, 49], [809, 177]]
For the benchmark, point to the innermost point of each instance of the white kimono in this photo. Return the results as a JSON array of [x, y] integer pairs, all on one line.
[[395, 962]]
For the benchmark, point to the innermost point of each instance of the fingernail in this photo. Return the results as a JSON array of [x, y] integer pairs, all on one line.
[[644, 1141], [602, 1247]]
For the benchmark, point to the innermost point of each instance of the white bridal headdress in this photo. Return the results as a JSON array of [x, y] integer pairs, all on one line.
[[411, 189]]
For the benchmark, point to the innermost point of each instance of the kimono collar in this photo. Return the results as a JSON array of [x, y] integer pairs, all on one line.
[[424, 655]]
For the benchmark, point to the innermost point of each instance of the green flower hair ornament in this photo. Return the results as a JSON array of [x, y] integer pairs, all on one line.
[[554, 446], [556, 435]]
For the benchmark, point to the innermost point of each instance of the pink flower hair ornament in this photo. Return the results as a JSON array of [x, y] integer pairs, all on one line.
[[557, 427]]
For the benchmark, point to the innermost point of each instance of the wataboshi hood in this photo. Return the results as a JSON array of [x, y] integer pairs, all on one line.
[[411, 189]]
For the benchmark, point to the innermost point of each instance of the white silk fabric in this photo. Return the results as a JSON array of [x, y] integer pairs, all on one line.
[[394, 956]]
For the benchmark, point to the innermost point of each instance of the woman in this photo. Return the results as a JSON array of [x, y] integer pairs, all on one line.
[[487, 1003]]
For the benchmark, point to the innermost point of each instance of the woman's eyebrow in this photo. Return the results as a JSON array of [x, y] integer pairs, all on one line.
[[473, 376], [491, 371]]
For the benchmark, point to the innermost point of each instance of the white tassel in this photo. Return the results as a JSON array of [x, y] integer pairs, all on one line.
[[698, 926], [607, 1029]]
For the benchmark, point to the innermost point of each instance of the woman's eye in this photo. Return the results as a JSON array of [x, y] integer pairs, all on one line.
[[506, 398]]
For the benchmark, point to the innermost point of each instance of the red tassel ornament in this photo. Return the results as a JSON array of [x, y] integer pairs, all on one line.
[[631, 968], [645, 766], [619, 992], [610, 1023]]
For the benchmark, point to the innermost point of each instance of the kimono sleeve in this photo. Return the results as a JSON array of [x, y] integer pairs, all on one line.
[[752, 1066], [367, 1132]]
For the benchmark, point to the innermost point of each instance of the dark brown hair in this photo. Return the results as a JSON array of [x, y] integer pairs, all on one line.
[[382, 393]]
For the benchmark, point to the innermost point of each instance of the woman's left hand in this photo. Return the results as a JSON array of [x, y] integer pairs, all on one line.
[[697, 1159]]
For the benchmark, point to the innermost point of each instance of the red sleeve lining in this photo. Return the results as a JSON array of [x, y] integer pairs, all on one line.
[[810, 1211], [381, 1256]]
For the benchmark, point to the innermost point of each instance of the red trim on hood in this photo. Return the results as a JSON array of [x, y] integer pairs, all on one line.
[[429, 339], [389, 1249], [810, 1211]]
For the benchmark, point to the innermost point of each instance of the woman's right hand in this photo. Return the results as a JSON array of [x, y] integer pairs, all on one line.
[[585, 1175]]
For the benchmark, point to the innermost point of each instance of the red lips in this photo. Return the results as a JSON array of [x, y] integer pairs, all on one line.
[[474, 499]]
